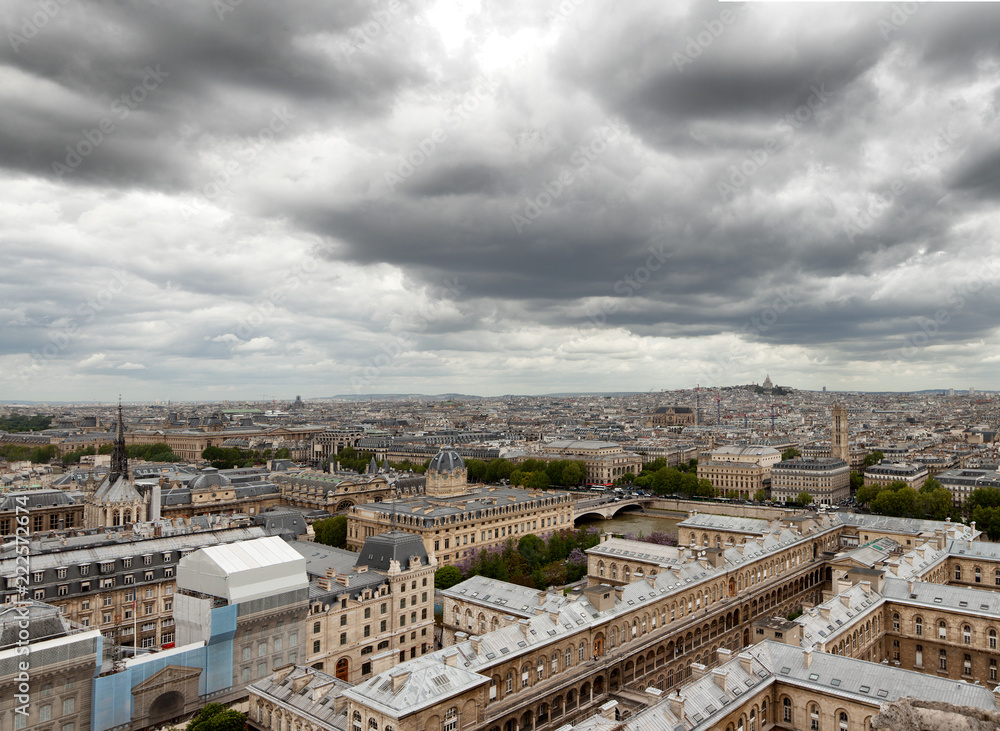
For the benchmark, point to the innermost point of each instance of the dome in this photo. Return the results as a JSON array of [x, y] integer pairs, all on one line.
[[209, 478], [445, 461]]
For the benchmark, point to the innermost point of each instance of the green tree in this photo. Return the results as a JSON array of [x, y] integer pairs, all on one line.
[[283, 453], [803, 499], [627, 479], [573, 473], [760, 496], [538, 480], [446, 577], [868, 493], [857, 482], [22, 423], [532, 549], [873, 458], [790, 453], [331, 531], [705, 488], [204, 716], [476, 469]]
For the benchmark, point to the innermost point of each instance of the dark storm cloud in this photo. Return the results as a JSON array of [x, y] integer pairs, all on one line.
[[218, 72]]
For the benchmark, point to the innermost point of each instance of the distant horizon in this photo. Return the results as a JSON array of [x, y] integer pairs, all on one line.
[[449, 395]]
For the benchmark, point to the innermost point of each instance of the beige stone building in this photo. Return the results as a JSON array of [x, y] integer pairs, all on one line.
[[454, 521], [739, 479], [827, 480], [369, 610], [671, 416], [886, 471]]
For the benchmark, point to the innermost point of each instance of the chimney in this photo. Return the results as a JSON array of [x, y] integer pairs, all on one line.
[[746, 662], [866, 586], [651, 580], [542, 596], [451, 658], [807, 655], [398, 678], [720, 676], [554, 616], [697, 670], [619, 593], [476, 641], [608, 710], [723, 655], [677, 706], [909, 585], [845, 600], [824, 612], [525, 625]]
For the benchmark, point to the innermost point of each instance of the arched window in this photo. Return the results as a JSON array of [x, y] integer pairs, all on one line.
[[753, 720], [958, 573], [569, 656], [372, 724], [627, 574], [451, 719], [525, 675], [493, 689], [614, 571], [356, 721], [763, 713], [979, 575], [540, 670], [842, 721], [895, 622], [967, 634], [993, 639], [942, 630], [555, 663], [786, 706], [583, 651], [814, 717], [918, 626], [509, 683], [600, 568]]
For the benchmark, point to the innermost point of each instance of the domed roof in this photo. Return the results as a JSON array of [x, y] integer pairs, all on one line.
[[208, 479], [446, 460]]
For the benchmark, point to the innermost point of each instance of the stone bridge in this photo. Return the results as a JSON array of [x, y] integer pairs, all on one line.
[[608, 507]]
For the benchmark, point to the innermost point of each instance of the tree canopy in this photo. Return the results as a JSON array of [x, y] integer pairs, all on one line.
[[331, 531], [20, 423], [790, 453]]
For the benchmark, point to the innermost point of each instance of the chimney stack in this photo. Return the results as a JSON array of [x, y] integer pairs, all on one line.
[[677, 705]]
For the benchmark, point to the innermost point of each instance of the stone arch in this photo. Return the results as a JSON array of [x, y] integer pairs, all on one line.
[[167, 706]]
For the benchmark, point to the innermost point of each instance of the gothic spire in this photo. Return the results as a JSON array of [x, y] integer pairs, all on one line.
[[119, 456]]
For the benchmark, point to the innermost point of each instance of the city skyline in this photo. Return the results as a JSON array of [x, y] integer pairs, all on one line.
[[207, 202]]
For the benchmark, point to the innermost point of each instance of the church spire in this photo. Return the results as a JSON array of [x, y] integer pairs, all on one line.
[[119, 456]]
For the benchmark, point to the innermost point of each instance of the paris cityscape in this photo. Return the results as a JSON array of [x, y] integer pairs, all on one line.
[[462, 365]]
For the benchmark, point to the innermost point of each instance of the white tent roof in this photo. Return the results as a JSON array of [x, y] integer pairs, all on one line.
[[239, 572]]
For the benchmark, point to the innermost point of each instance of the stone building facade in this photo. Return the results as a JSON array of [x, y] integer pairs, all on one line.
[[827, 480], [739, 479]]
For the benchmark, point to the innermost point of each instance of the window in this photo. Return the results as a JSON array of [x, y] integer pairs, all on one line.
[[261, 649], [45, 712], [895, 623], [583, 652], [261, 669], [814, 717], [569, 656], [786, 705], [958, 573], [918, 656], [316, 646], [381, 626], [372, 724], [525, 672], [993, 669], [356, 721], [168, 572], [368, 630], [979, 575], [343, 620], [246, 653], [316, 628], [967, 635], [967, 665], [147, 560], [509, 685], [451, 719], [126, 563], [943, 660], [540, 670], [368, 612], [942, 630], [842, 721], [918, 626], [993, 639], [343, 638], [68, 726]]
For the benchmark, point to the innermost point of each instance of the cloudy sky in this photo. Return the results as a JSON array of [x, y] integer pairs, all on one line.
[[247, 199]]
